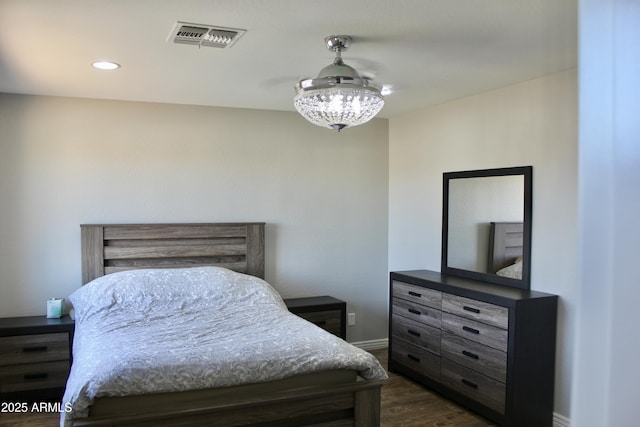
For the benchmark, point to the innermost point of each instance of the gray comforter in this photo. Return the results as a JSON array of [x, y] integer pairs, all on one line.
[[147, 331]]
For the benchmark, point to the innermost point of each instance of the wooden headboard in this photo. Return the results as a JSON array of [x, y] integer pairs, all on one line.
[[505, 244], [120, 247]]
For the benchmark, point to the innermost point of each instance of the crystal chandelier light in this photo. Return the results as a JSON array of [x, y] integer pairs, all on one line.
[[339, 97]]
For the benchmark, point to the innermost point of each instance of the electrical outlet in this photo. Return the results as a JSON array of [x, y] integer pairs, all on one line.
[[351, 319]]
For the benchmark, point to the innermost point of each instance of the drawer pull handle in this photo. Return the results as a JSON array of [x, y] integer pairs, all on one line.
[[415, 294], [35, 376], [471, 355], [414, 358], [411, 310], [412, 332], [473, 331], [320, 323], [470, 384], [471, 309], [34, 349]]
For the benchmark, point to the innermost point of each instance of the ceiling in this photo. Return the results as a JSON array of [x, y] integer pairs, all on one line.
[[426, 51]]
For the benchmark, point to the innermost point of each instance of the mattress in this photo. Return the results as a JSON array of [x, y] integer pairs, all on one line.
[[173, 330]]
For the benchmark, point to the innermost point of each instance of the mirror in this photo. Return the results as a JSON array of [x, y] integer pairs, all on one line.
[[486, 225]]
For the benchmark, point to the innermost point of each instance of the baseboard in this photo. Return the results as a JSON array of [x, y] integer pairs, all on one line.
[[372, 344], [560, 420]]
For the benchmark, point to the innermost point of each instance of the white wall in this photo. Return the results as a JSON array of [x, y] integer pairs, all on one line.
[[606, 373], [531, 123], [67, 161]]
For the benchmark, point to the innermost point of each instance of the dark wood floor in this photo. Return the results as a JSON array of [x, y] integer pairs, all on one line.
[[404, 404], [408, 404]]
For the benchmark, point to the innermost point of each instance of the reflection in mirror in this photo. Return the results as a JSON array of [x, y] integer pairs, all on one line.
[[474, 203], [487, 225]]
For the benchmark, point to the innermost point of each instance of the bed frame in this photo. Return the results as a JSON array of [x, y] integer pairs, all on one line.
[[120, 247], [240, 247], [505, 244]]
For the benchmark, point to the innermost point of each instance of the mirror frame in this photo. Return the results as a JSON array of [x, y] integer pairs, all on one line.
[[525, 282]]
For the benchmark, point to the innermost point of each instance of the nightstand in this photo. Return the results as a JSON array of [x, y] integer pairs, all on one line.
[[327, 312], [35, 357]]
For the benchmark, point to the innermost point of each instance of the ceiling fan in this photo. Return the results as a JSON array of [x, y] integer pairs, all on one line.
[[339, 97]]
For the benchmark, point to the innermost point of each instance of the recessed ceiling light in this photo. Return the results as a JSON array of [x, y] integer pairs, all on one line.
[[105, 65]]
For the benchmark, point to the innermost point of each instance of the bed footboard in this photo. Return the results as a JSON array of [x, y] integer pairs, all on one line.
[[355, 404]]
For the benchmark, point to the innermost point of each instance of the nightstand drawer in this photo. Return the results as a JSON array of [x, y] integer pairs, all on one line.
[[485, 390], [479, 311], [326, 312], [480, 358], [330, 320], [33, 376], [34, 348]]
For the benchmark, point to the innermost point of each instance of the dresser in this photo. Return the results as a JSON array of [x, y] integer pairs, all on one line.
[[35, 357], [327, 312], [490, 348]]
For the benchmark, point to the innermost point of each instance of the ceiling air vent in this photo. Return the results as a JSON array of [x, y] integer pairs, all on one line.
[[205, 35]]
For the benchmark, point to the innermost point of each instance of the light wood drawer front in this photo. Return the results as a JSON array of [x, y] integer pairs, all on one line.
[[485, 390], [419, 313], [475, 331], [33, 376], [416, 358], [483, 312], [34, 348], [480, 358], [417, 294], [417, 333], [329, 320]]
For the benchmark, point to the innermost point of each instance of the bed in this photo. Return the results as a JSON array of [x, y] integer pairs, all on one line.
[[160, 270], [506, 249]]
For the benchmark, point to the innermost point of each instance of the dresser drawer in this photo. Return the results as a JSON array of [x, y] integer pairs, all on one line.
[[419, 313], [417, 294], [475, 331], [479, 311], [416, 358], [416, 333], [330, 320], [34, 348], [485, 390], [32, 376], [486, 360]]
